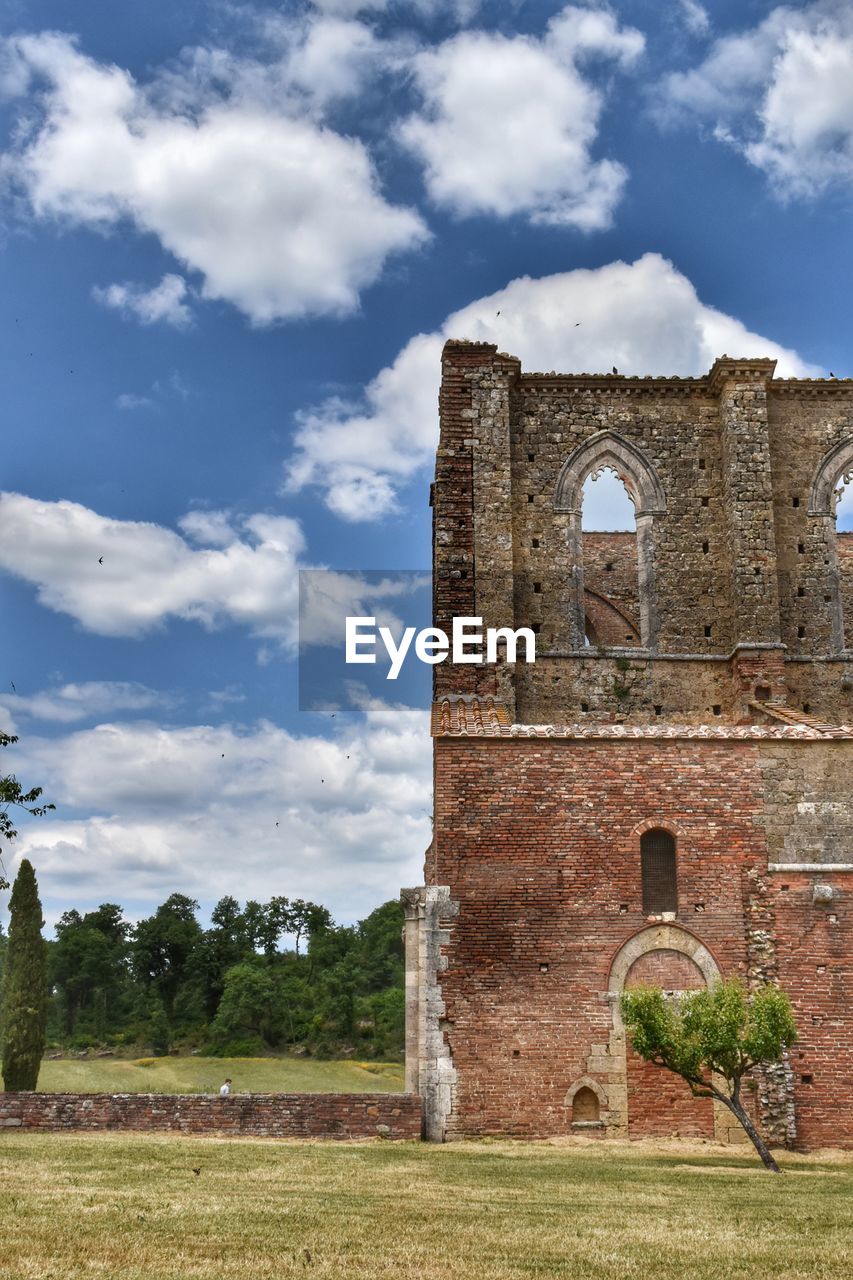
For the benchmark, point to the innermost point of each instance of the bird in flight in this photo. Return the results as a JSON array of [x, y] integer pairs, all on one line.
[[100, 559]]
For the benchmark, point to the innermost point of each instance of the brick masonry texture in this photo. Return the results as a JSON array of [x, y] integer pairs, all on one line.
[[257, 1115], [720, 713]]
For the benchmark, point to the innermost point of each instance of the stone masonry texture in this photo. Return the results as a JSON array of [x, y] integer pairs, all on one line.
[[692, 677]]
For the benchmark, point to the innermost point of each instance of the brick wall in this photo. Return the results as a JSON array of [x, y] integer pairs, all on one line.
[[816, 968], [257, 1115], [659, 1104], [611, 588], [538, 841]]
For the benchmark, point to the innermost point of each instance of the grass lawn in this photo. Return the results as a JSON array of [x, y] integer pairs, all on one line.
[[205, 1075], [76, 1205]]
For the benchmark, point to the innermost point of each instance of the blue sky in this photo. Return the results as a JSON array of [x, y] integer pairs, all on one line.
[[234, 238]]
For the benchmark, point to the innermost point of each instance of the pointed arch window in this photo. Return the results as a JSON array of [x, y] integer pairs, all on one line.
[[658, 870], [607, 450]]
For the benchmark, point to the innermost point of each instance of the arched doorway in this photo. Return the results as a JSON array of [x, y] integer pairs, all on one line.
[[645, 1100], [660, 1105]]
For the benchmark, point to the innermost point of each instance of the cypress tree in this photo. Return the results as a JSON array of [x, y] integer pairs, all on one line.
[[25, 988]]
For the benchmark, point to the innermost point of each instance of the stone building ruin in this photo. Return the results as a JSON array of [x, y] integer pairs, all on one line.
[[664, 795]]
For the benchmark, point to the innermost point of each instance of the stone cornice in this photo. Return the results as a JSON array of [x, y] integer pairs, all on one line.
[[727, 369]]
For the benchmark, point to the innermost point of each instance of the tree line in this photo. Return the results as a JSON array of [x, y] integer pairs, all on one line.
[[265, 976], [276, 975]]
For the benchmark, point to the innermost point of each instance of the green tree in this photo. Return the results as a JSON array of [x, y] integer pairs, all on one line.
[[712, 1038], [245, 1007], [221, 946], [88, 969], [307, 920], [12, 795], [24, 1003], [165, 952]]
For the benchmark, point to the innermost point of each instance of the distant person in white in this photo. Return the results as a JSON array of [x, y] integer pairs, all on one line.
[[226, 1088]]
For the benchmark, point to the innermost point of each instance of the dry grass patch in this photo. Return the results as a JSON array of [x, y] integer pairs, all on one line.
[[105, 1205]]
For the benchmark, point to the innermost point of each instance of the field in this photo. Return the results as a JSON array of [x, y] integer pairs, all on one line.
[[205, 1075], [160, 1208]]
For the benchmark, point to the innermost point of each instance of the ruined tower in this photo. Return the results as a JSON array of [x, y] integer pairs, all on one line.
[[664, 795]]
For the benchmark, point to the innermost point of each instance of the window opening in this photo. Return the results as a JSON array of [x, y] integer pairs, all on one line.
[[844, 552], [610, 561], [657, 861]]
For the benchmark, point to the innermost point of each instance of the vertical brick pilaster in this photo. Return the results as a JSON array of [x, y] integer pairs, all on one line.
[[453, 502]]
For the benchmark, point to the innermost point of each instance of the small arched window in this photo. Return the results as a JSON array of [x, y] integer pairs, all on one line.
[[657, 861]]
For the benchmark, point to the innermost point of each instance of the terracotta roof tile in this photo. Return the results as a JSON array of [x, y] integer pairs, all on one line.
[[473, 717]]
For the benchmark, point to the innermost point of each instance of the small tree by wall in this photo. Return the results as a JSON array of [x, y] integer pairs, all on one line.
[[23, 1017], [713, 1037]]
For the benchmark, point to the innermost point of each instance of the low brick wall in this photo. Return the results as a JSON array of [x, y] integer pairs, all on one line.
[[256, 1115]]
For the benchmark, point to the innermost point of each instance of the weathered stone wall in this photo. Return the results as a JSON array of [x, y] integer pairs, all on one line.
[[256, 1115], [807, 422], [808, 803], [732, 549], [844, 551], [631, 688], [675, 423]]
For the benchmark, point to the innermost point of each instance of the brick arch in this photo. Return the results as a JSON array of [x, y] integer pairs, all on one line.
[[637, 473], [665, 968], [658, 823], [606, 618]]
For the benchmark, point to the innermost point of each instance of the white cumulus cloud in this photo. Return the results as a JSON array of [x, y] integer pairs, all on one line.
[[127, 577], [249, 811], [644, 317], [165, 303], [781, 93], [84, 700], [280, 215], [695, 17], [509, 123]]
